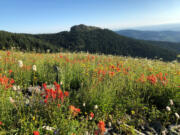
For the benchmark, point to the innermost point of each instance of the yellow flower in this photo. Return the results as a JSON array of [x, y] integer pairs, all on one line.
[[33, 117], [132, 112]]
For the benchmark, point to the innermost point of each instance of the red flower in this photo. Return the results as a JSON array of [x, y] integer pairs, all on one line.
[[36, 133], [74, 110], [10, 71], [101, 126], [1, 123], [45, 100], [66, 93], [59, 105], [92, 115]]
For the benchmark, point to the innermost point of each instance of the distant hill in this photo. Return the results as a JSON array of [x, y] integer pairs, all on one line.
[[170, 36], [87, 38]]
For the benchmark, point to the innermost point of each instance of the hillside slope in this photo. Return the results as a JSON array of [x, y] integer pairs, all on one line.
[[96, 40], [86, 38]]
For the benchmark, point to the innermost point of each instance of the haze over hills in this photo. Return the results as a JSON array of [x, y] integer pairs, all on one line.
[[170, 36], [87, 38], [160, 27]]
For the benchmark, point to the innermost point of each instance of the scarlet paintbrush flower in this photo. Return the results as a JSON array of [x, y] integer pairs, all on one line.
[[36, 133], [101, 126], [66, 93], [92, 115], [74, 110], [10, 71], [1, 123]]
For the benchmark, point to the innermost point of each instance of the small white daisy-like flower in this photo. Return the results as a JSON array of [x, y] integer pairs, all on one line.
[[18, 87], [27, 101], [34, 68], [48, 128], [84, 104], [168, 108], [109, 124], [86, 133], [171, 102], [61, 83], [96, 107], [20, 63], [177, 115], [14, 88]]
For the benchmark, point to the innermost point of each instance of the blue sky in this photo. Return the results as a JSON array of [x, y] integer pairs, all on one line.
[[47, 16]]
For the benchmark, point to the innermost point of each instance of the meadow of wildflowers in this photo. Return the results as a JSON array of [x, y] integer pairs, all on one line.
[[80, 93]]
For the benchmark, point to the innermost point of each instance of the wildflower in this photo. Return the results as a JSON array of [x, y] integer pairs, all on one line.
[[96, 107], [27, 101], [168, 108], [34, 68], [61, 83], [1, 123], [45, 100], [10, 71], [11, 100], [92, 115], [59, 105], [74, 110], [171, 102], [36, 133], [84, 104], [18, 87], [177, 115], [66, 93], [14, 88], [20, 63], [109, 124], [86, 133], [101, 126], [48, 128], [132, 112]]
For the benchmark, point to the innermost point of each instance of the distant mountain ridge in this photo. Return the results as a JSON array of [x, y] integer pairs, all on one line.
[[87, 38], [170, 36]]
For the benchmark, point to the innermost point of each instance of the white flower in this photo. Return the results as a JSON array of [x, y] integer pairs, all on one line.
[[109, 124], [14, 88], [20, 63], [177, 115], [18, 87], [96, 107], [34, 68], [171, 102], [84, 104], [27, 101], [48, 128], [168, 108], [61, 83], [86, 133], [11, 100]]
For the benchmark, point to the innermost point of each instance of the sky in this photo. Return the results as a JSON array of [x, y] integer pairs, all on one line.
[[49, 16]]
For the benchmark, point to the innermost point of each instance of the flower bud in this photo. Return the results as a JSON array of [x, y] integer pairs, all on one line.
[[177, 115], [20, 63], [96, 107], [34, 68], [14, 88], [168, 108], [171, 102]]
